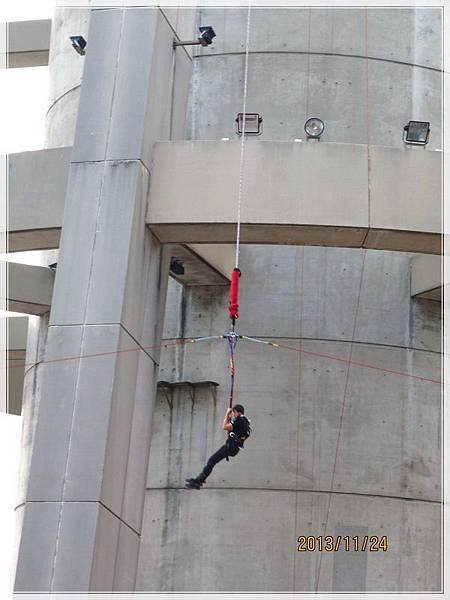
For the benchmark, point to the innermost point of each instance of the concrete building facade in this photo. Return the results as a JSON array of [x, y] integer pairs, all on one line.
[[346, 413]]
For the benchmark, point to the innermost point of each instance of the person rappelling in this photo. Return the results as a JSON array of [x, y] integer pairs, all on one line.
[[238, 427], [234, 422]]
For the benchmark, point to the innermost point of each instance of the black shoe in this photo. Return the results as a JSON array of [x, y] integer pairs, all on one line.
[[193, 484]]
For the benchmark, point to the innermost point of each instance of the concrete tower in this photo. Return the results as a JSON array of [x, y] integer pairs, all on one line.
[[346, 418]]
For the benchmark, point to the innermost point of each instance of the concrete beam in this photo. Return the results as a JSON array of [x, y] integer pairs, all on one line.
[[37, 187], [17, 328], [289, 198], [38, 182], [30, 288], [17, 333], [203, 265], [28, 43], [427, 278]]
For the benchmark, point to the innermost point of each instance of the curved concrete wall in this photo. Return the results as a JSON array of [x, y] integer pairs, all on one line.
[[338, 448], [66, 72], [308, 194], [364, 72]]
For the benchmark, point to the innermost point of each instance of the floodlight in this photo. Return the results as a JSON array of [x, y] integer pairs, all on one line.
[[204, 39], [252, 124], [314, 127], [176, 266], [79, 43], [416, 133], [206, 35]]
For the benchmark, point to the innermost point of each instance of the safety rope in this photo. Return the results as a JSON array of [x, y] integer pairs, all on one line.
[[232, 341], [241, 159], [19, 363], [233, 299]]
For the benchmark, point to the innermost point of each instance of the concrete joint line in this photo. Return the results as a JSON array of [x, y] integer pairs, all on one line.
[[52, 578], [175, 34], [296, 490], [120, 519], [99, 502], [112, 352], [61, 97], [140, 347], [307, 52], [113, 161]]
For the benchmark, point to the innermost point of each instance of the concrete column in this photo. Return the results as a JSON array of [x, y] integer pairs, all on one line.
[[86, 485]]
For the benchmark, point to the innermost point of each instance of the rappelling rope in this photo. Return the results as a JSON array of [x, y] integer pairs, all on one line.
[[233, 299], [232, 341], [233, 302], [241, 159]]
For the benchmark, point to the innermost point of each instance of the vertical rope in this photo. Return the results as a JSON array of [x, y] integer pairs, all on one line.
[[241, 160], [232, 345]]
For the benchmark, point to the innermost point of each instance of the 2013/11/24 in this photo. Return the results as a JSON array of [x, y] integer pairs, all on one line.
[[330, 543]]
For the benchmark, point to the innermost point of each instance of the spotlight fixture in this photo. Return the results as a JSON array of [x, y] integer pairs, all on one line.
[[314, 128], [252, 125], [206, 35], [176, 266], [204, 39], [416, 133], [79, 43]]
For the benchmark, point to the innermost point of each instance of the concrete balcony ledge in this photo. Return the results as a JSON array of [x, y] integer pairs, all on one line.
[[36, 193], [30, 289], [310, 193], [427, 278]]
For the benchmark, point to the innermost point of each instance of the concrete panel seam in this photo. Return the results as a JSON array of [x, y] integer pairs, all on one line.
[[295, 490], [61, 97], [111, 108], [28, 52], [86, 305], [100, 503], [115, 161], [27, 302], [175, 33], [139, 345], [304, 52]]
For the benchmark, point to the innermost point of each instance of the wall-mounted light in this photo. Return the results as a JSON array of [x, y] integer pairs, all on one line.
[[253, 124], [314, 128], [416, 133], [206, 35], [79, 43], [176, 266], [204, 39]]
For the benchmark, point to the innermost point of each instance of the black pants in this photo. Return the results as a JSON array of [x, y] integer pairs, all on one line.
[[228, 449]]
